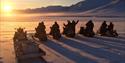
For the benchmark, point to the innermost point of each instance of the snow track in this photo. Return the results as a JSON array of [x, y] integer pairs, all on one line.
[[118, 40], [122, 37], [51, 55], [84, 50], [82, 53], [113, 47]]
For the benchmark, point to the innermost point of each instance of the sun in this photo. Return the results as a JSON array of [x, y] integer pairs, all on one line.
[[7, 8]]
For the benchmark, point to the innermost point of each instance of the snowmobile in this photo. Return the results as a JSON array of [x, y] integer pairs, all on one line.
[[55, 32], [40, 32], [25, 49]]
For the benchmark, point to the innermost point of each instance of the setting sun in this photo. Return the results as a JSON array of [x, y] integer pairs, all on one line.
[[7, 8]]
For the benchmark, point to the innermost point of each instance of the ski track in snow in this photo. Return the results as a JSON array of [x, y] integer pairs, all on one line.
[[104, 42], [51, 55], [95, 51], [117, 40], [85, 50], [55, 57], [65, 52], [121, 37], [82, 53]]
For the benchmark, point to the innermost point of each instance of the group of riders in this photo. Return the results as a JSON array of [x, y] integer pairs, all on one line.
[[20, 34], [69, 30], [107, 30]]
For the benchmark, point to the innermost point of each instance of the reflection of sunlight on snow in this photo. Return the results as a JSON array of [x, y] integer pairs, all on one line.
[[7, 14], [8, 25], [7, 52]]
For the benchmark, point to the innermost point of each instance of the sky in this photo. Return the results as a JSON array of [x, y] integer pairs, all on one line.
[[24, 4]]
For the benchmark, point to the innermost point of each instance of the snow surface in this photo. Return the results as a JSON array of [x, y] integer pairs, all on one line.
[[71, 50], [83, 49]]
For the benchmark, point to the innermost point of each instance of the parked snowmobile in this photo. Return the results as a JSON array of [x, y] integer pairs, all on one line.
[[40, 32], [107, 30], [55, 31], [69, 29], [25, 49]]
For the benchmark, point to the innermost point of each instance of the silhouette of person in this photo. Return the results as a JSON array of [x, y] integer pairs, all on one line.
[[89, 26], [74, 24], [103, 28], [82, 30], [110, 27], [41, 27], [111, 31], [89, 29], [69, 29], [40, 32], [55, 31], [56, 25]]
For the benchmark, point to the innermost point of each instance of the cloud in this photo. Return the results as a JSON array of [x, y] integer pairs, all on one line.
[[23, 4]]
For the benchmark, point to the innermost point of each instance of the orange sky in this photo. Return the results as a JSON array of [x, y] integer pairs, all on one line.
[[23, 4]]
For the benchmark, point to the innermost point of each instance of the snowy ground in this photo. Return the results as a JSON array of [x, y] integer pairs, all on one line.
[[84, 50], [75, 50], [67, 50]]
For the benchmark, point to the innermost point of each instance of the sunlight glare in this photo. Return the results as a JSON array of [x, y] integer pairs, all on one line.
[[7, 8]]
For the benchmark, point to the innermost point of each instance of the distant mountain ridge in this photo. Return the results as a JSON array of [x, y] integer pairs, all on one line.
[[78, 7], [87, 7], [114, 8]]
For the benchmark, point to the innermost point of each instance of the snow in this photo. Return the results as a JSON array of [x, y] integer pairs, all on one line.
[[82, 53], [122, 37], [51, 55], [80, 49], [5, 56], [107, 44], [113, 39], [84, 49]]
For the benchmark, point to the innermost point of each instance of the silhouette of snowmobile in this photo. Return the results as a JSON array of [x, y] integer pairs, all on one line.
[[40, 32], [88, 31], [69, 29], [55, 31], [20, 34], [107, 30]]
